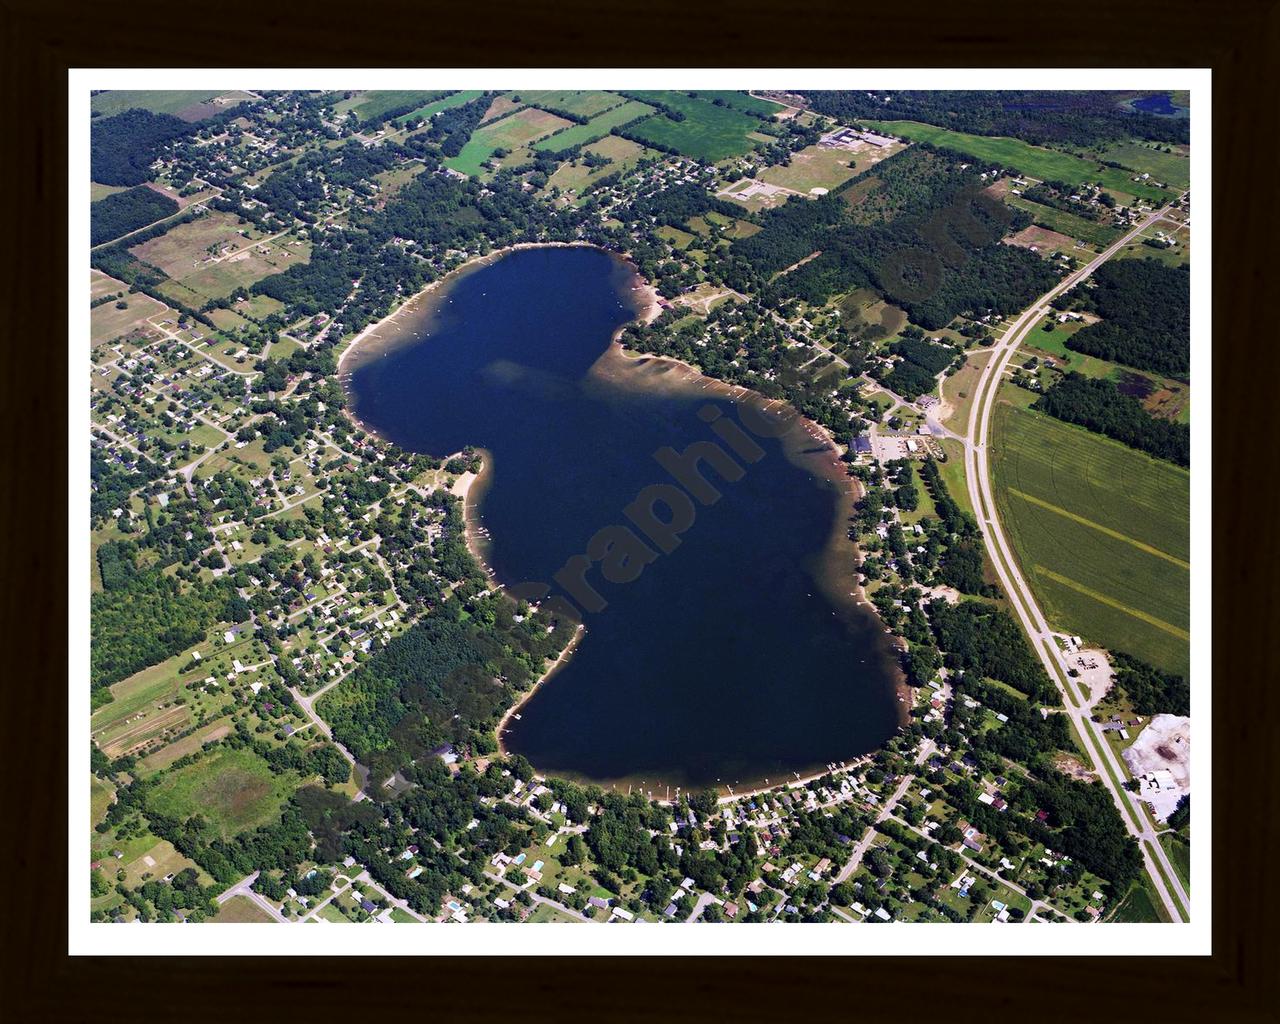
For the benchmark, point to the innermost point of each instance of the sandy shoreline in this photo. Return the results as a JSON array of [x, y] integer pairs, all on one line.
[[647, 310], [525, 697], [470, 486]]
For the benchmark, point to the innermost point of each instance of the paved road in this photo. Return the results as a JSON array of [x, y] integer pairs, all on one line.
[[981, 495], [864, 844]]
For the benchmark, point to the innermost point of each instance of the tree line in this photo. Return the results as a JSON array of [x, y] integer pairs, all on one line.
[[1097, 404], [122, 212]]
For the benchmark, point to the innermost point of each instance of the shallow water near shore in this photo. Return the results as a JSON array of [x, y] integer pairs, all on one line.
[[738, 657]]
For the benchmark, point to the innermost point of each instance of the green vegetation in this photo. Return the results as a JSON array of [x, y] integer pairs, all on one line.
[[882, 230], [1151, 158], [496, 138], [692, 127], [157, 101], [430, 110], [123, 212], [1148, 690], [1100, 531], [142, 616], [988, 642], [597, 128], [233, 789], [1099, 406], [386, 104], [122, 148], [1100, 235], [1081, 118], [1146, 315], [1045, 164], [433, 685]]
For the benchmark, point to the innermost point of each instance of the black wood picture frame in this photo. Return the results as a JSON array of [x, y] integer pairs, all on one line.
[[41, 39]]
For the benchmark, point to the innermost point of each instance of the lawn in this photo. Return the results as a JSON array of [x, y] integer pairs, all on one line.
[[241, 910], [1054, 344], [1171, 168], [1102, 533], [812, 167], [545, 914], [596, 128], [160, 860], [97, 191], [707, 132], [233, 789], [510, 132], [958, 390], [1044, 164], [1100, 235]]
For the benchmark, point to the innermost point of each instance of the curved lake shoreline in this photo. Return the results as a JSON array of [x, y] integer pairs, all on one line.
[[631, 388]]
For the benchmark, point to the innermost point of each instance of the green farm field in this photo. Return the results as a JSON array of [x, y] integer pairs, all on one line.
[[234, 789], [739, 100], [158, 101], [584, 103], [596, 128], [511, 132], [1171, 168], [435, 106], [1101, 532], [1045, 164], [374, 104], [707, 132]]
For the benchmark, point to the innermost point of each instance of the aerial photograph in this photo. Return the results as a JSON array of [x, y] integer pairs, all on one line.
[[636, 506]]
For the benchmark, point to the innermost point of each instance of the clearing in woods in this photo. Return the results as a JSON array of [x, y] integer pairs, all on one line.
[[232, 788]]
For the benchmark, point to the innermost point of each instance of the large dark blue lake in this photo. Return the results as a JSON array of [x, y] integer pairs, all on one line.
[[739, 656]]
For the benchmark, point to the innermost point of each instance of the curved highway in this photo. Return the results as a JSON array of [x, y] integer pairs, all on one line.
[[978, 475]]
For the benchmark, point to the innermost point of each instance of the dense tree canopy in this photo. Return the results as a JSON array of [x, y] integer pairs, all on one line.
[[122, 212], [1098, 405]]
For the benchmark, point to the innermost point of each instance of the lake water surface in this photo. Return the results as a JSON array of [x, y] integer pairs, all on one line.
[[738, 657]]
